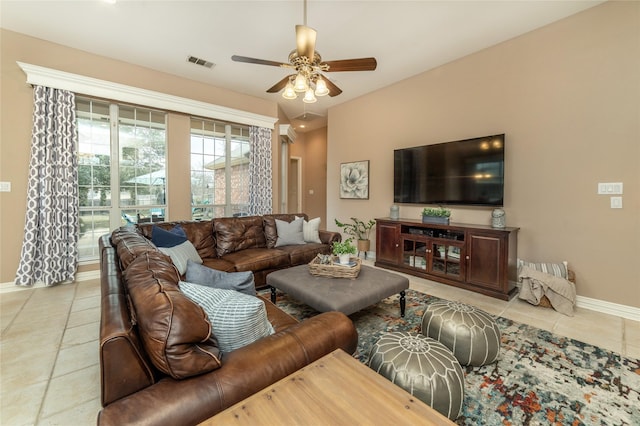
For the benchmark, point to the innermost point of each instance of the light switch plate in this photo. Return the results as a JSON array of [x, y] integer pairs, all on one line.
[[616, 202], [610, 188], [5, 186]]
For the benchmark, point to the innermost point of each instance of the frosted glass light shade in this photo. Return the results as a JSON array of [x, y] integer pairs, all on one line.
[[289, 92], [309, 97], [321, 87]]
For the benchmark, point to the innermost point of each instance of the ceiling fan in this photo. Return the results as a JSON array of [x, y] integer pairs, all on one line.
[[308, 64]]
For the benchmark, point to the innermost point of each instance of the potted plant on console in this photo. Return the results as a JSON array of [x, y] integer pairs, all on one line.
[[360, 230], [436, 215], [344, 250]]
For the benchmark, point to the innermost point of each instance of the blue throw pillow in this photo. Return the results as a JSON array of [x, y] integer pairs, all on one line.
[[163, 238], [238, 281]]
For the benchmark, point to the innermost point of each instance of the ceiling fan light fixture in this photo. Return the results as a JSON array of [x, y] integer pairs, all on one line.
[[321, 87], [289, 92], [309, 97], [300, 84]]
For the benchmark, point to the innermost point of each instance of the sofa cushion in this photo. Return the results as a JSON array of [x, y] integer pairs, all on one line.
[[219, 264], [181, 254], [289, 233], [257, 259], [130, 244], [200, 233], [238, 281], [300, 255], [238, 319], [175, 331], [238, 233], [163, 238]]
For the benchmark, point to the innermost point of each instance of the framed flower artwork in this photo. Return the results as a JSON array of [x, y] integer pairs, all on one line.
[[354, 180]]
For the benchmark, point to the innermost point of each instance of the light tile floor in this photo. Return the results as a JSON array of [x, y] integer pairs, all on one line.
[[49, 366]]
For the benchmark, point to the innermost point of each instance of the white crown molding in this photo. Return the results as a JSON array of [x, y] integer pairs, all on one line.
[[287, 129], [42, 76]]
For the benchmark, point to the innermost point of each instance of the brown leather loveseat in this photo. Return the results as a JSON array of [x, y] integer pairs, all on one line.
[[159, 363]]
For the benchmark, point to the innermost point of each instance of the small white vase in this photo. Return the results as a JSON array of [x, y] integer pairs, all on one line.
[[344, 258]]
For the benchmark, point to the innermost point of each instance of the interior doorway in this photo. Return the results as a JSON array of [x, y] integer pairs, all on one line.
[[294, 185]]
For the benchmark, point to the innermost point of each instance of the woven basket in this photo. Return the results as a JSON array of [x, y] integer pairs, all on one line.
[[334, 270], [544, 301]]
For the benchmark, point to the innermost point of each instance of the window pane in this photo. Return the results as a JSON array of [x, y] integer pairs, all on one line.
[[93, 225], [142, 140], [219, 169]]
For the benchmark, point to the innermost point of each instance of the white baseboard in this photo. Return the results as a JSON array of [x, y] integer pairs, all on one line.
[[9, 287], [624, 311]]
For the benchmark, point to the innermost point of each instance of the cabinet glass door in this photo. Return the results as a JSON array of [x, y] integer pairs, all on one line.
[[445, 259], [414, 253]]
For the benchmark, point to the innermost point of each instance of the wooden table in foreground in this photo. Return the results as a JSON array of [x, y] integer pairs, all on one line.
[[334, 390]]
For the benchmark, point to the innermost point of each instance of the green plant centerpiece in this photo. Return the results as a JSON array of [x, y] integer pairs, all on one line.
[[360, 230], [344, 250], [436, 215]]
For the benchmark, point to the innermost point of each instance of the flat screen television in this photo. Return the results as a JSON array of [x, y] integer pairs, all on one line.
[[466, 172]]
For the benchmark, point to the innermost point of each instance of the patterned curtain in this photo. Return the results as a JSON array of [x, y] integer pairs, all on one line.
[[260, 180], [50, 246]]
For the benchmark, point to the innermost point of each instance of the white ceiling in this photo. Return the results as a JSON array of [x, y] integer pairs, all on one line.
[[406, 37]]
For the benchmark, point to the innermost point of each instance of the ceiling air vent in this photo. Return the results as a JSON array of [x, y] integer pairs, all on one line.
[[201, 62]]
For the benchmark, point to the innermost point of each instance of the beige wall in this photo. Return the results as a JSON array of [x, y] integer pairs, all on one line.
[[312, 148], [568, 98], [15, 126]]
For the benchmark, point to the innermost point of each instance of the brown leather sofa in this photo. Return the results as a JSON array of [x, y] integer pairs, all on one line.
[[159, 363], [237, 244]]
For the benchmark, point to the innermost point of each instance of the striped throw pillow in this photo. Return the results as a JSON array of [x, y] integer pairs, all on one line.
[[556, 269], [237, 319]]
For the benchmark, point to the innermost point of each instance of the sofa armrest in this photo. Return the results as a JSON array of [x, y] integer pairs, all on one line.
[[244, 372], [329, 237]]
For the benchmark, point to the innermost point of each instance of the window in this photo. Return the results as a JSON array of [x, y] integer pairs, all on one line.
[[121, 168], [219, 169]]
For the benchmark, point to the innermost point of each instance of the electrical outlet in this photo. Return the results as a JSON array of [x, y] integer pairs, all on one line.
[[5, 186]]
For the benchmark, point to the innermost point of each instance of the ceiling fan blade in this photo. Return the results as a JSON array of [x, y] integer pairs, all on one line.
[[333, 89], [305, 41], [280, 85], [248, 60], [360, 64]]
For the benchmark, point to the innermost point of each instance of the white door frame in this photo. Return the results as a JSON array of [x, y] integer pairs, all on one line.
[[298, 172]]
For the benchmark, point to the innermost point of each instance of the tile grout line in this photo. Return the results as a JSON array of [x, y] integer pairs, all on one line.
[[13, 319], [55, 362], [624, 337], [76, 403]]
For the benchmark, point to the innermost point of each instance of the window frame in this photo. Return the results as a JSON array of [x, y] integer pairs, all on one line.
[[119, 213]]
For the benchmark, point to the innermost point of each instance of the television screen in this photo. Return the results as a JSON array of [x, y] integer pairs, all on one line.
[[466, 172]]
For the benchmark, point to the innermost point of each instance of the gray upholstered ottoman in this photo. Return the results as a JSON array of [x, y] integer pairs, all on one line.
[[338, 294], [423, 367], [470, 333]]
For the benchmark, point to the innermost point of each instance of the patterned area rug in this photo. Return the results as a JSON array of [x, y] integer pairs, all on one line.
[[540, 378]]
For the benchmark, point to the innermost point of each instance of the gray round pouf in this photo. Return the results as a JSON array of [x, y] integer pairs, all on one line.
[[423, 367], [472, 334]]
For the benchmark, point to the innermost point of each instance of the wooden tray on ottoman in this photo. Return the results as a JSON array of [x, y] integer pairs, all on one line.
[[334, 270]]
